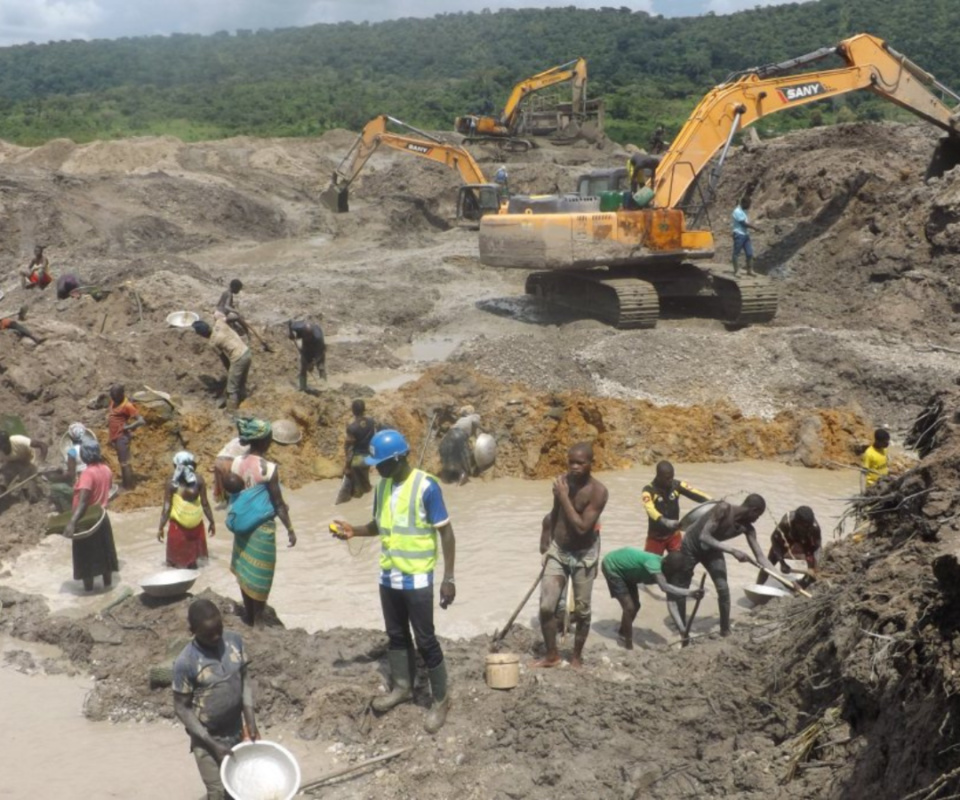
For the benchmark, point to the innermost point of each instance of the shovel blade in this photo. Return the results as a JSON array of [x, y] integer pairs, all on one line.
[[345, 492], [336, 198], [945, 157]]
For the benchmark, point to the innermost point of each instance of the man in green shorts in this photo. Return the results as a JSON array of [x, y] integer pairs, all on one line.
[[625, 569]]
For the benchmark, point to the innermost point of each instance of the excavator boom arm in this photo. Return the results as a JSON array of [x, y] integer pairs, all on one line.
[[454, 157], [374, 134], [575, 71], [750, 95]]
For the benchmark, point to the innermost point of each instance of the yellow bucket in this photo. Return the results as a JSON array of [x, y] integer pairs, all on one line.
[[503, 670]]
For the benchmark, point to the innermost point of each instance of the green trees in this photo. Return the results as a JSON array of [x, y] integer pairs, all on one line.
[[303, 81]]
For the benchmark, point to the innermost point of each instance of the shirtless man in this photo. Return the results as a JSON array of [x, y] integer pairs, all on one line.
[[705, 542], [229, 306], [570, 545]]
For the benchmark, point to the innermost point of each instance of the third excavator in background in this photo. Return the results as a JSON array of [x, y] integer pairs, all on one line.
[[503, 129], [623, 266], [476, 197]]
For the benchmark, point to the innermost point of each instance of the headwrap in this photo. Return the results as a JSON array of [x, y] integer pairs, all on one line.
[[90, 451], [185, 464], [77, 432], [252, 429]]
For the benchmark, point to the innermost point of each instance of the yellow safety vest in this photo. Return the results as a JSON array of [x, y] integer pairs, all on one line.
[[408, 542]]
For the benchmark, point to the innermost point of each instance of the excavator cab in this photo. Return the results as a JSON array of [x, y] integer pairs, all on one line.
[[474, 201], [591, 184]]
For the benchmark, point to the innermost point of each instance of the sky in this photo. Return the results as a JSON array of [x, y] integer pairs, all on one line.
[[39, 21]]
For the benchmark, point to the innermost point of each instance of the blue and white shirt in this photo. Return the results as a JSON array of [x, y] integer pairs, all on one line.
[[435, 512]]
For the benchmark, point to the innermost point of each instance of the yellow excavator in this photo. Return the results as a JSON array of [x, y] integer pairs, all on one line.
[[502, 130], [476, 197], [622, 266]]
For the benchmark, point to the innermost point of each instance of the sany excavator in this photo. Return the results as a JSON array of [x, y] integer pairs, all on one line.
[[476, 197], [622, 266], [502, 130]]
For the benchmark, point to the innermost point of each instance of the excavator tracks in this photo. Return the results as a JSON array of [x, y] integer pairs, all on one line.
[[747, 300], [506, 144], [624, 303], [628, 301]]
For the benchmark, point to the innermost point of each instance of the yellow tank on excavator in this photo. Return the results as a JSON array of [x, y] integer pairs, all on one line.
[[584, 240]]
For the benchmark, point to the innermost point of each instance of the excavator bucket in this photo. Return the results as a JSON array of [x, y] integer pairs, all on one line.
[[945, 157], [336, 198]]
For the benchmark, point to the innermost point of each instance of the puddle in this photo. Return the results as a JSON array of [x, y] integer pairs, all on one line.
[[429, 348], [319, 584], [377, 379], [59, 753]]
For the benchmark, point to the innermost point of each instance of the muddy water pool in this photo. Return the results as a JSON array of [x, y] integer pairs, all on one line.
[[52, 751], [321, 584]]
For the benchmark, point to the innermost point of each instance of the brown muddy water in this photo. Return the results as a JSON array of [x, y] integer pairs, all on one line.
[[320, 584]]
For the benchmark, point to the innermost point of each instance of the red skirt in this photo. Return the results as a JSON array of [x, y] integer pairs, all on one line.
[[185, 546]]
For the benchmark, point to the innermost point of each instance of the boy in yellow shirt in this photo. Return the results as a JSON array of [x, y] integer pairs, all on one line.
[[875, 458]]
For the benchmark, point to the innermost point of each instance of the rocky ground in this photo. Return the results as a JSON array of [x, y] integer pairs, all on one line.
[[866, 252]]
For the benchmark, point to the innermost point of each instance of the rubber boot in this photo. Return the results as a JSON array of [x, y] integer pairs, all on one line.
[[127, 478], [723, 600], [437, 715], [303, 383], [401, 676]]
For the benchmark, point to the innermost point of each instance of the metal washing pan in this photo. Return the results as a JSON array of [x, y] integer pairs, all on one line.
[[758, 593], [169, 583], [260, 771]]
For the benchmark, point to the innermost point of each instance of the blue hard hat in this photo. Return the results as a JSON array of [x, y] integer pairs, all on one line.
[[386, 445]]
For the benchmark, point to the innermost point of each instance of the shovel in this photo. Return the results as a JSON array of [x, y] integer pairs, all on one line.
[[499, 635], [345, 492], [266, 347], [696, 607], [785, 581], [162, 395]]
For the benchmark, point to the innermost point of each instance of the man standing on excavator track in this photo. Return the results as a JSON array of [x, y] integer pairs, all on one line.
[[741, 236]]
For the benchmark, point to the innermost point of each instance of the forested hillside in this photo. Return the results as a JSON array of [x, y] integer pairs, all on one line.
[[303, 81]]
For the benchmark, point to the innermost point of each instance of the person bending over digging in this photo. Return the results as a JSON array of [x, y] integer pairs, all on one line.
[[570, 545], [797, 535], [625, 569], [705, 542]]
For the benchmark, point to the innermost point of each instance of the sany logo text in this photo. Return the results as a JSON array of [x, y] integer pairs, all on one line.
[[801, 91], [419, 148]]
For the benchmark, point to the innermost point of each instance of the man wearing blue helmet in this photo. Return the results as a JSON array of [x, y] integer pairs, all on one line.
[[408, 515]]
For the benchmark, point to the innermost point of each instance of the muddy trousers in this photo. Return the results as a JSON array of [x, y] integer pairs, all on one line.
[[716, 567], [210, 774], [404, 609]]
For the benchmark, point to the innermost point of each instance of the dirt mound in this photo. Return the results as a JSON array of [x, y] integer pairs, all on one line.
[[600, 724], [872, 656], [861, 239]]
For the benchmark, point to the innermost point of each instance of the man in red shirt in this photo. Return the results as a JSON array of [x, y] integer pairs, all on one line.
[[123, 418]]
